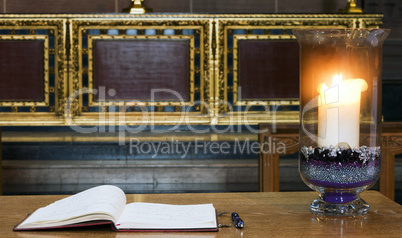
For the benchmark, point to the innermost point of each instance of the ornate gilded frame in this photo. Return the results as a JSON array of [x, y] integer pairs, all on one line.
[[141, 37], [201, 28], [33, 104], [235, 70], [225, 28], [213, 30], [51, 32]]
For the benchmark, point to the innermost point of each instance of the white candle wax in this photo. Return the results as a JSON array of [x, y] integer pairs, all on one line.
[[339, 112]]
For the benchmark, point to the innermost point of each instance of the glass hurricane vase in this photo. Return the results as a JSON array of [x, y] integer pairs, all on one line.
[[340, 116]]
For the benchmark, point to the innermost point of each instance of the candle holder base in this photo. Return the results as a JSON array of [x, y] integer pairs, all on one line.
[[356, 207]]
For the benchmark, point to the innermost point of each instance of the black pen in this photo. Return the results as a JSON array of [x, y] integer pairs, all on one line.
[[238, 223]]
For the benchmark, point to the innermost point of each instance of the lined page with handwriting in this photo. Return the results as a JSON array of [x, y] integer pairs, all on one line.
[[164, 216]]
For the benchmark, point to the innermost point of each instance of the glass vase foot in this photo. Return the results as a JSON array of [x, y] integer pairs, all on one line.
[[356, 207]]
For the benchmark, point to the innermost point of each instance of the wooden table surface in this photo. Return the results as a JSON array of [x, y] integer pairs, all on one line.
[[280, 214]]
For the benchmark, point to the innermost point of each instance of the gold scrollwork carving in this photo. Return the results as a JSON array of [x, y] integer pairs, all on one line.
[[90, 68], [177, 108], [371, 23], [104, 108], [41, 27], [159, 108], [228, 27], [212, 32], [46, 68], [200, 28]]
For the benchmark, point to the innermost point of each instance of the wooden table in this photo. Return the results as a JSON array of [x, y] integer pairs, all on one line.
[[280, 214]]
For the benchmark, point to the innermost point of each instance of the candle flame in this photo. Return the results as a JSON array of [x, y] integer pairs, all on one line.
[[336, 80], [350, 85]]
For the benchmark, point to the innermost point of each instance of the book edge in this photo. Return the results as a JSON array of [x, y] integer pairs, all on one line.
[[82, 224], [212, 229]]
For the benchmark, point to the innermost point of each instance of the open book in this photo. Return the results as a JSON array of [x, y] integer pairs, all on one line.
[[107, 204]]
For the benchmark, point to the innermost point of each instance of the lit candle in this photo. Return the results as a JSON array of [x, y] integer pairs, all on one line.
[[339, 112]]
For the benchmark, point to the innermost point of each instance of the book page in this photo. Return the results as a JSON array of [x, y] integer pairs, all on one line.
[[164, 216], [104, 201]]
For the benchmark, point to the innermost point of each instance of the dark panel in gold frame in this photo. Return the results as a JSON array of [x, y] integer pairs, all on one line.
[[133, 68], [21, 70], [269, 69]]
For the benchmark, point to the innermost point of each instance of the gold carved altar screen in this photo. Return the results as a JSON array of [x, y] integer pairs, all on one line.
[[154, 68]]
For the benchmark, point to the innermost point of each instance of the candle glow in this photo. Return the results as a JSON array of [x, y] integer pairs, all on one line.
[[339, 112]]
